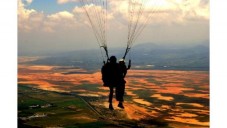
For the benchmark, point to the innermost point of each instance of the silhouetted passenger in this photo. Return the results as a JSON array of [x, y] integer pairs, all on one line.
[[120, 89]]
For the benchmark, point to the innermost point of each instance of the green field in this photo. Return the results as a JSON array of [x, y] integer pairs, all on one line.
[[70, 111]]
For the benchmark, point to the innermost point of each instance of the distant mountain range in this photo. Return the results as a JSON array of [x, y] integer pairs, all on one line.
[[144, 56], [172, 56]]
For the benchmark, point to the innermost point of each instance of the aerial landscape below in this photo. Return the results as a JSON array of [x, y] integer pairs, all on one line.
[[66, 96]]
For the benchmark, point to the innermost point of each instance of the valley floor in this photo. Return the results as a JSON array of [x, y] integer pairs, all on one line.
[[57, 96]]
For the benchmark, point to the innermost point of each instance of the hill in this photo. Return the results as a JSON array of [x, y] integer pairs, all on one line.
[[144, 56]]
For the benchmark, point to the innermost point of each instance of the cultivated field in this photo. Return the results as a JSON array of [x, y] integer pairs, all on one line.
[[63, 96]]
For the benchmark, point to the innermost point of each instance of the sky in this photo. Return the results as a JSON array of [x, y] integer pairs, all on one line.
[[62, 25]]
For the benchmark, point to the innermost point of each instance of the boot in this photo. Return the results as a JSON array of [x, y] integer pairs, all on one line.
[[111, 106], [120, 105]]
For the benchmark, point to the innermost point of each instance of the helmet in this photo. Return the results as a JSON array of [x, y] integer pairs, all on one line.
[[113, 59], [121, 60]]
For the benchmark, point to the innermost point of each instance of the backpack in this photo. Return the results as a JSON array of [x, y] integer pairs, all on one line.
[[104, 72]]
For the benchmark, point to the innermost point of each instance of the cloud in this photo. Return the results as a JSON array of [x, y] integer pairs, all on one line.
[[62, 1], [196, 9], [59, 31], [66, 1], [28, 19], [174, 20], [160, 12], [181, 10], [26, 2], [62, 20], [31, 20], [170, 7], [29, 1], [61, 15]]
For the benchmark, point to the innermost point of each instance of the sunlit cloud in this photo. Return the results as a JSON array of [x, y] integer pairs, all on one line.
[[181, 10], [62, 1], [66, 1], [61, 15], [28, 19], [31, 20]]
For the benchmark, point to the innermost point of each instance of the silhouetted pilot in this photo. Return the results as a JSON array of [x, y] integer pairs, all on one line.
[[111, 76]]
